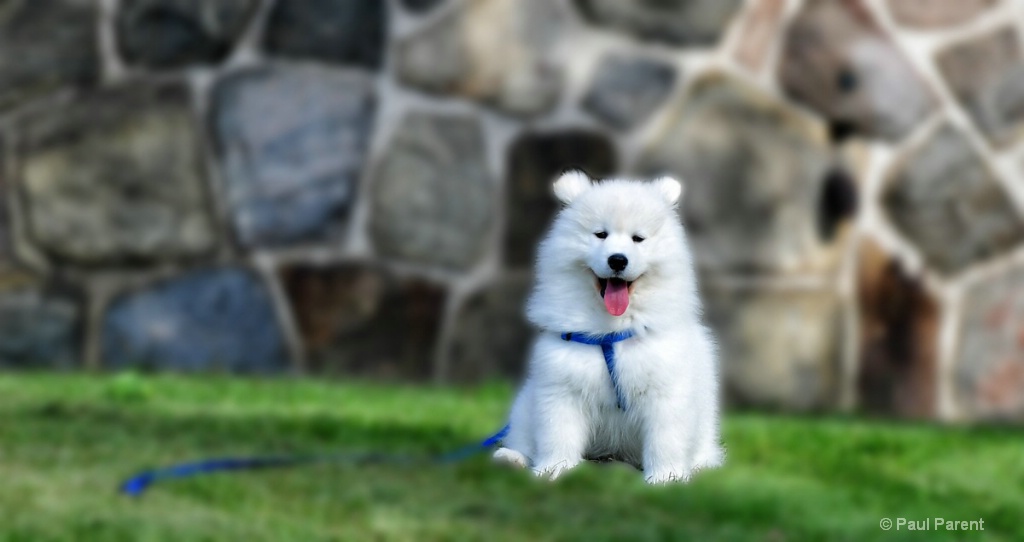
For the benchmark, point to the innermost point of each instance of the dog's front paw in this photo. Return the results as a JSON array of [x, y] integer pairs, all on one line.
[[668, 476], [711, 458], [554, 469], [509, 456]]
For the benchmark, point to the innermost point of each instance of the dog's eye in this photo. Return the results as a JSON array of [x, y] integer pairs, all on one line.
[[601, 234], [638, 239]]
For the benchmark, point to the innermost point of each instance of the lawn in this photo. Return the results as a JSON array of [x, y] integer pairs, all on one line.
[[66, 442]]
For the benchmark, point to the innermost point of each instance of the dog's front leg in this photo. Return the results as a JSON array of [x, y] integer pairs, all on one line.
[[665, 446], [562, 434]]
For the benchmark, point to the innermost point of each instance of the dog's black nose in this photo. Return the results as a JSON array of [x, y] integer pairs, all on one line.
[[617, 262]]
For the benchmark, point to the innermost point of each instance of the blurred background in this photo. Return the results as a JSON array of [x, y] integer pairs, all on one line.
[[202, 199], [347, 188]]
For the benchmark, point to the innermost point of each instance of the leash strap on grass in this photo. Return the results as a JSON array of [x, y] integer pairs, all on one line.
[[137, 485]]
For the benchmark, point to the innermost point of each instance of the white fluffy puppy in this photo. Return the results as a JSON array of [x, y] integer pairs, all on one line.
[[616, 261]]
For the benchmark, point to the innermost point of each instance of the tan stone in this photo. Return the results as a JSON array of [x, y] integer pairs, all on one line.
[[759, 28], [779, 349], [754, 169], [493, 51], [934, 14], [116, 178]]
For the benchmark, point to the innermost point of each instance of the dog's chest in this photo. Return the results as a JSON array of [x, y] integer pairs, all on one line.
[[639, 366], [636, 366]]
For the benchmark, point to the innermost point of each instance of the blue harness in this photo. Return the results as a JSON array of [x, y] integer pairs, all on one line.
[[607, 344], [137, 485]]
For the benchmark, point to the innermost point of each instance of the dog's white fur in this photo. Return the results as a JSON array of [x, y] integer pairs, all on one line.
[[566, 410]]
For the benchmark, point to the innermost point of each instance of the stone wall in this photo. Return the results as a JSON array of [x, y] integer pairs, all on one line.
[[344, 187]]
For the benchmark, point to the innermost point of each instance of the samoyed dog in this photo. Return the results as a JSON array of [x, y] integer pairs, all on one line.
[[623, 366]]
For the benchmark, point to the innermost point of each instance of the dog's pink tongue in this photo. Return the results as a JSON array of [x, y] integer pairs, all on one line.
[[616, 297]]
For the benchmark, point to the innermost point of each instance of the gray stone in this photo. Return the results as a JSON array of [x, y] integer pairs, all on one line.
[[754, 171], [45, 46], [986, 75], [947, 201], [116, 177], [935, 14], [218, 319], [778, 349], [989, 366], [679, 22], [534, 162], [491, 338], [359, 319], [836, 60], [350, 32], [625, 91], [38, 329], [433, 200], [175, 33], [491, 51], [292, 142]]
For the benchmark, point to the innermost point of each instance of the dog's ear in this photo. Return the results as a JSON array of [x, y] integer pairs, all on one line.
[[570, 185], [669, 188]]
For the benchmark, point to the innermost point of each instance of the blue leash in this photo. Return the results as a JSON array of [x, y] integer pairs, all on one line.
[[137, 485]]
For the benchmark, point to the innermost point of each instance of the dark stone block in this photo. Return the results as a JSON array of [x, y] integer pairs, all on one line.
[[836, 60], [207, 320], [292, 142], [625, 91], [947, 201], [491, 337], [679, 22], [6, 187], [116, 178], [838, 203], [433, 198], [175, 33], [899, 338], [534, 162], [39, 329], [421, 6], [363, 320], [350, 32], [45, 46]]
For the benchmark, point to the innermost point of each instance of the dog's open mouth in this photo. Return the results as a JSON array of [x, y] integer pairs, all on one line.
[[615, 293]]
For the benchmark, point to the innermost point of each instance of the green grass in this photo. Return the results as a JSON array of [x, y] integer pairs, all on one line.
[[65, 442]]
